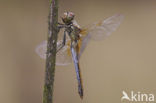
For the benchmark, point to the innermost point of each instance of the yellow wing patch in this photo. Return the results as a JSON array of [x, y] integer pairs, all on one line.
[[79, 45], [68, 49], [83, 32], [77, 48]]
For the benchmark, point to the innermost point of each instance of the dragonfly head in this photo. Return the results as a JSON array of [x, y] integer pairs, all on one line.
[[68, 17]]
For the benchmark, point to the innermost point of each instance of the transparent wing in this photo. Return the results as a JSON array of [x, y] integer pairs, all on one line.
[[63, 57], [102, 29], [99, 30], [83, 43], [41, 49]]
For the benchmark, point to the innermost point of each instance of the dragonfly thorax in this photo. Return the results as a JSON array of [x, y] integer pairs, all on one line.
[[68, 17], [73, 32]]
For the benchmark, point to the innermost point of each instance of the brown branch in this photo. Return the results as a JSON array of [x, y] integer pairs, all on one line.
[[51, 52]]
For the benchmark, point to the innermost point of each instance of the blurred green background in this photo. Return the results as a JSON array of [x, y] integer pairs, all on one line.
[[124, 61]]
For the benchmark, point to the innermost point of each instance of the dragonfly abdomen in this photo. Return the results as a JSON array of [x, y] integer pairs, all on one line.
[[77, 69]]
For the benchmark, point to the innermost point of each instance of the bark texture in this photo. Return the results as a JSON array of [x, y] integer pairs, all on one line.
[[51, 52]]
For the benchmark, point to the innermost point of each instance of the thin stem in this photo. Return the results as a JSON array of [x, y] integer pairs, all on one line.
[[51, 52]]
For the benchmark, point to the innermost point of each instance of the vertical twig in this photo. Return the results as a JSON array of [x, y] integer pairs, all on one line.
[[51, 52]]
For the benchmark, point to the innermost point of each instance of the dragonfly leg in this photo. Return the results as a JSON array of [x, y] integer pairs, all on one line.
[[63, 43], [60, 25]]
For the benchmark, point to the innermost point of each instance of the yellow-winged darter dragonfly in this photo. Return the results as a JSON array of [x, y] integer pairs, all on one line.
[[70, 49]]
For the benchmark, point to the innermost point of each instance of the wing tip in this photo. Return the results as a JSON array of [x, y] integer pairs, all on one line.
[[39, 49]]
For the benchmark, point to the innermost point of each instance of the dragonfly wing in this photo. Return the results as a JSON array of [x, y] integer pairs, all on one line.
[[103, 29], [99, 30], [63, 57], [84, 42], [41, 49]]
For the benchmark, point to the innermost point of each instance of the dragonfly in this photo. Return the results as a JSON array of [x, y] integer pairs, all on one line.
[[71, 47]]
